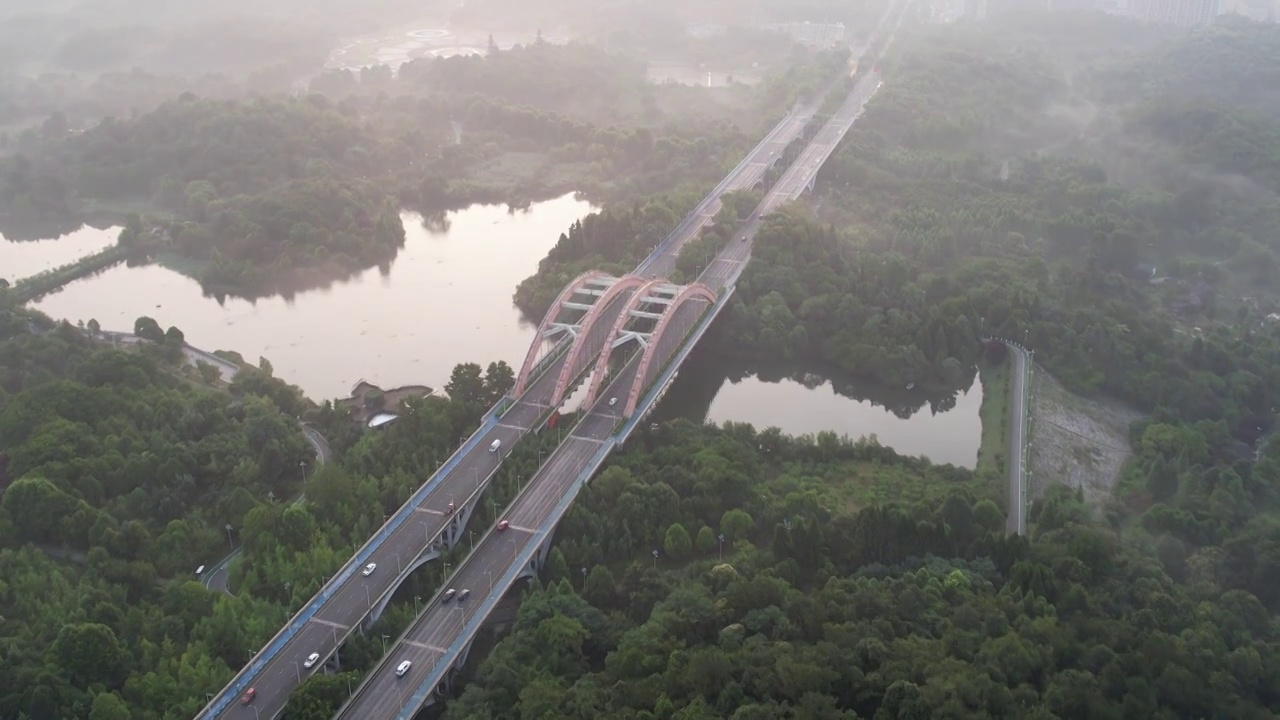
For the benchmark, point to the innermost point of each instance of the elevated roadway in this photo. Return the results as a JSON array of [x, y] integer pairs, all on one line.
[[350, 597], [438, 641], [416, 532]]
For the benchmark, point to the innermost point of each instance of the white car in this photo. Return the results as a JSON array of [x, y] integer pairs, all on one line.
[[368, 569], [613, 401], [311, 660]]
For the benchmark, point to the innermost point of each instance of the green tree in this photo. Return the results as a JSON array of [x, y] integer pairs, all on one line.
[[707, 542], [148, 329], [736, 525], [90, 652], [109, 706], [676, 542], [466, 385]]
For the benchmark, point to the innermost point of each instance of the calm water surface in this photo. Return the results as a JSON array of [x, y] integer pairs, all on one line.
[[950, 436], [943, 426], [24, 258], [445, 300]]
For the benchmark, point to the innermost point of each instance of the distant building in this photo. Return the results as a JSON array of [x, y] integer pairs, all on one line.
[[1258, 10], [1186, 13], [1073, 4], [812, 34]]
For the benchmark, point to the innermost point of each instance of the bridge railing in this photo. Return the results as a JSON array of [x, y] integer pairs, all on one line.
[[674, 363], [523, 559], [712, 196], [240, 682]]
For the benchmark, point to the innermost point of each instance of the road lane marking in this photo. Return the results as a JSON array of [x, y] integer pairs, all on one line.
[[424, 646]]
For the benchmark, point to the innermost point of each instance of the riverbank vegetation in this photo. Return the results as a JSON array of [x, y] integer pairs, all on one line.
[[993, 190], [274, 191], [811, 610], [129, 474], [120, 473]]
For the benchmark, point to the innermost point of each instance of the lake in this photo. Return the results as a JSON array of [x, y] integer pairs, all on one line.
[[24, 258], [445, 299], [944, 426]]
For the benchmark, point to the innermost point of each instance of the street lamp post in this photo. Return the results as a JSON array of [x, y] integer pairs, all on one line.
[[298, 669], [416, 599], [655, 559], [721, 538], [367, 596], [490, 574], [384, 644], [229, 540], [584, 579]]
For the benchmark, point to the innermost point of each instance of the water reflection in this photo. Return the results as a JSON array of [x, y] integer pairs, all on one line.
[[21, 258], [445, 299], [943, 425]]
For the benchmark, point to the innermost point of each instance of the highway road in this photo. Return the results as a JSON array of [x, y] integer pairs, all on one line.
[[349, 601], [352, 597], [425, 643], [732, 258], [757, 163], [441, 625], [1016, 521]]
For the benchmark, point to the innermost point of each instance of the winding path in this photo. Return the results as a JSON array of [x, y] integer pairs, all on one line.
[[215, 577]]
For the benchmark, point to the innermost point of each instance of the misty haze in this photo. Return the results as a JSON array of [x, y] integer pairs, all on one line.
[[667, 360]]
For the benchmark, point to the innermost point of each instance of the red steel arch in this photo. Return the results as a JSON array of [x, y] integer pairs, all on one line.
[[531, 359], [692, 292], [570, 370], [602, 364]]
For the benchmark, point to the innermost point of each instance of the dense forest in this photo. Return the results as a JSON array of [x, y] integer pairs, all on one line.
[[122, 471], [971, 200], [774, 597], [1007, 181], [1003, 182]]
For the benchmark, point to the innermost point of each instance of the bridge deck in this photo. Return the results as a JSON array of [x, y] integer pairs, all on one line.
[[491, 568]]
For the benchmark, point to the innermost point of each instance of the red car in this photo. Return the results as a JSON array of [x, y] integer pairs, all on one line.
[[248, 696], [503, 525]]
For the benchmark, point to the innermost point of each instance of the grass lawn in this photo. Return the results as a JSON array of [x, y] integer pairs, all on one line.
[[852, 486], [993, 454]]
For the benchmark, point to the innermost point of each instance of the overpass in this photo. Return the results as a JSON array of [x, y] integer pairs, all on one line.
[[433, 518], [649, 338]]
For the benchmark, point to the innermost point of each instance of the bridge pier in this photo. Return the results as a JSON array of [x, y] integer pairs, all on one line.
[[453, 533]]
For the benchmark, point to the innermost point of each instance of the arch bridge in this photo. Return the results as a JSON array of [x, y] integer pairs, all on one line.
[[602, 316]]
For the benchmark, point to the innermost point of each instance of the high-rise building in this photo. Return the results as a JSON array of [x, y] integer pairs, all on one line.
[[1073, 4], [1176, 12]]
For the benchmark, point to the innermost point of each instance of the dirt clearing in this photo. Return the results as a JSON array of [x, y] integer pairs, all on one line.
[[1075, 441]]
